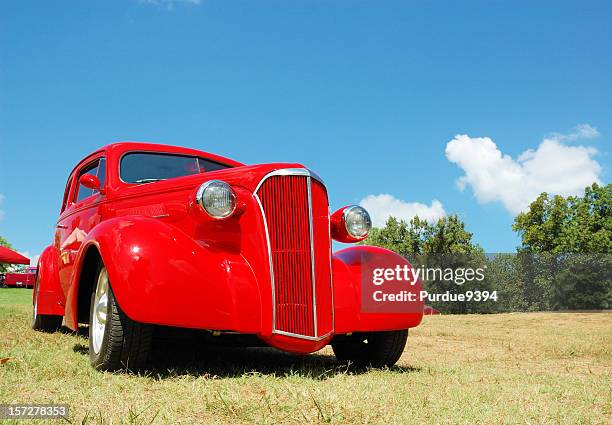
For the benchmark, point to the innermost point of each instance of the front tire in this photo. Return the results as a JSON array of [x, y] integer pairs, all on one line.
[[115, 341], [43, 322], [376, 349]]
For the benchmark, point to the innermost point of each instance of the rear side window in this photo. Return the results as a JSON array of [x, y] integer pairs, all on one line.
[[146, 167], [66, 192], [98, 169], [102, 172]]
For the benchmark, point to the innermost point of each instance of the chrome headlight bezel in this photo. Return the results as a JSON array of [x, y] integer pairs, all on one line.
[[209, 185], [348, 216]]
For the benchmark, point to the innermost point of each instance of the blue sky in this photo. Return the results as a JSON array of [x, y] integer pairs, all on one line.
[[370, 94]]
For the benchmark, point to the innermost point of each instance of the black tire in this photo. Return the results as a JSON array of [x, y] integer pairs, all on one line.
[[43, 322], [126, 344], [376, 349]]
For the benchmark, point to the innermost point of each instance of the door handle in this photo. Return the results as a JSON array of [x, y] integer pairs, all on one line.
[[61, 226]]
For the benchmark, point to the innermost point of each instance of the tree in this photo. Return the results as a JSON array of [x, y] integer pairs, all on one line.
[[4, 268], [542, 227], [444, 245], [566, 250], [502, 272], [446, 236], [589, 223], [401, 237], [568, 225]]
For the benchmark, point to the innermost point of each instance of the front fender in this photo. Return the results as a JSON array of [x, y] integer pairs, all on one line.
[[51, 299], [348, 267], [160, 275]]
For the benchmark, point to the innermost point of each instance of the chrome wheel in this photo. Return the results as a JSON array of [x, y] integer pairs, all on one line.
[[100, 311]]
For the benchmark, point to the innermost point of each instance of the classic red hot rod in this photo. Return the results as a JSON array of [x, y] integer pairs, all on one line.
[[160, 235]]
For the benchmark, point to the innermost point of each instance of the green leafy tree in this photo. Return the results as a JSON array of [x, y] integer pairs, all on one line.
[[401, 237], [542, 227], [4, 268], [447, 236], [568, 225], [588, 226], [565, 252], [444, 245], [502, 273]]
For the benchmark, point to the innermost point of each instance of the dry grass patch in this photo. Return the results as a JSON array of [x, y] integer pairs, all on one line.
[[508, 368]]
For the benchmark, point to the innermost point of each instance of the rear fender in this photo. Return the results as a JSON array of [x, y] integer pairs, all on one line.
[[51, 299]]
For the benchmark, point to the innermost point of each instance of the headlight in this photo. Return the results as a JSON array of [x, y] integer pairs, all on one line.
[[357, 221], [217, 198]]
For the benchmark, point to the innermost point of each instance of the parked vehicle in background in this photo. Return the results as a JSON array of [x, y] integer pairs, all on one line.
[[21, 280], [154, 235]]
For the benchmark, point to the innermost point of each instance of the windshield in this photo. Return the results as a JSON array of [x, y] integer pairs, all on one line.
[[146, 167]]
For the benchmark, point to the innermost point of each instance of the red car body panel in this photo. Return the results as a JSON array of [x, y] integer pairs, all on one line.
[[169, 263], [51, 297], [25, 280]]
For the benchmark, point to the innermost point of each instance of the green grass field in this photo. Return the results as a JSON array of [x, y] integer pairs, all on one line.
[[507, 368]]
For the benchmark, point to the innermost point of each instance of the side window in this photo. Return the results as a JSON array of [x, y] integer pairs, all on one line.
[[102, 172], [66, 193], [98, 169], [209, 165]]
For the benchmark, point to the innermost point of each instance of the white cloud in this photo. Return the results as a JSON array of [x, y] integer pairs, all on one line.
[[170, 3], [552, 167], [582, 131], [1, 202], [382, 206]]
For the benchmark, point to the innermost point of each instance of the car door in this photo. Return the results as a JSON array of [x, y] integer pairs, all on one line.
[[62, 232], [82, 213]]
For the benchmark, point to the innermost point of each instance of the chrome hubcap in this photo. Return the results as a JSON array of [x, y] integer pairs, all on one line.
[[100, 311]]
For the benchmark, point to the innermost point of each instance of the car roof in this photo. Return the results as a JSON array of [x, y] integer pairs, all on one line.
[[119, 148]]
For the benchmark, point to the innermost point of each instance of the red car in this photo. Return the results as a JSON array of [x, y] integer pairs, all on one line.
[[23, 280], [161, 235]]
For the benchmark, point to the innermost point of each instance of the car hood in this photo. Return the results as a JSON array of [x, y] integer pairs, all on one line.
[[247, 176]]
